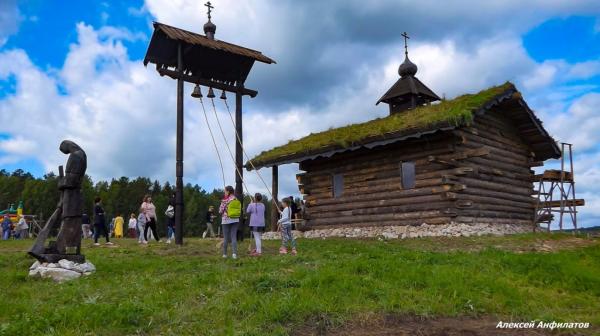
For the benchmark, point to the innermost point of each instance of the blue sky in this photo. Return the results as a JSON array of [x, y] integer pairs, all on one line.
[[48, 27], [73, 68]]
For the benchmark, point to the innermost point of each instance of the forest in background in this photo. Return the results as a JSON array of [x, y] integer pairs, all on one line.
[[124, 195]]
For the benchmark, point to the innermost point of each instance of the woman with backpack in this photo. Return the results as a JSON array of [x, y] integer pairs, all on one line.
[[231, 211]]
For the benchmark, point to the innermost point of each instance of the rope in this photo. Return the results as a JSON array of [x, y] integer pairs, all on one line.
[[214, 142], [229, 148], [248, 158]]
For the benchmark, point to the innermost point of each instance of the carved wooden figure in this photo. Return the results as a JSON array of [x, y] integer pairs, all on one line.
[[68, 211]]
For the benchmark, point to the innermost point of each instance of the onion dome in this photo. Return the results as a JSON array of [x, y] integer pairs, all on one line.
[[210, 29], [407, 68]]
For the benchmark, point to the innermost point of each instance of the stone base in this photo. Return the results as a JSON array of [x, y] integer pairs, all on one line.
[[63, 270], [406, 231]]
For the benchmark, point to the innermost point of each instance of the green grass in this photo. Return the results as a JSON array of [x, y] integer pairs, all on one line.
[[454, 112], [190, 290]]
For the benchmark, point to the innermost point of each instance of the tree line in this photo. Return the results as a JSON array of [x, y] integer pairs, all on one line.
[[119, 196]]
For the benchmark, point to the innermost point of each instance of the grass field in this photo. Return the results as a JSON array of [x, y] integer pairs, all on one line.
[[168, 290]]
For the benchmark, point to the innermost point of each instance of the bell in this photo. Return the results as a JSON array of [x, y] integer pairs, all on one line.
[[223, 96], [210, 94], [197, 93]]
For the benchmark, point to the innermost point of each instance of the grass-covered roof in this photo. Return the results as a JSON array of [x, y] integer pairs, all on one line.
[[448, 113]]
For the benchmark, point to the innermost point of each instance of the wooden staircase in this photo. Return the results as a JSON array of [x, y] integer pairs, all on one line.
[[555, 193]]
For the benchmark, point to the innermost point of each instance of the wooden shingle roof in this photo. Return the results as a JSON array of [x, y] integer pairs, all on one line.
[[201, 40], [203, 57]]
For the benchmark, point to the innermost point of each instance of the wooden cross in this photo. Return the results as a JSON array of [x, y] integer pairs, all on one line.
[[209, 6], [406, 37]]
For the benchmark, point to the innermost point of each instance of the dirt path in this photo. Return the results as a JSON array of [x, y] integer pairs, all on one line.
[[474, 244]]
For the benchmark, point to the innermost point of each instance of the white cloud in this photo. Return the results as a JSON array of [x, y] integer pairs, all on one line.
[[452, 71], [10, 18], [584, 70], [543, 76], [579, 124], [17, 145], [114, 108]]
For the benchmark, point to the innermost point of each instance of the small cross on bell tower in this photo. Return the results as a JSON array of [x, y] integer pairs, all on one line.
[[209, 27], [406, 37], [210, 7]]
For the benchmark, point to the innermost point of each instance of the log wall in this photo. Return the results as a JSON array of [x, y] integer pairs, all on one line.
[[501, 183], [476, 174], [373, 193]]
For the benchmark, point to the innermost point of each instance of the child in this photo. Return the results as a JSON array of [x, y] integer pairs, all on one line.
[[131, 226], [86, 226], [285, 224], [141, 223], [170, 214], [210, 219], [256, 210]]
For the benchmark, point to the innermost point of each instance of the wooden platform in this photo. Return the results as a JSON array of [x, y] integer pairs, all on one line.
[[554, 175], [567, 203]]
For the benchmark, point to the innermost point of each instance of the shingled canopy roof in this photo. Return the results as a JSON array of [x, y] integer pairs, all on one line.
[[408, 85], [203, 57], [447, 115]]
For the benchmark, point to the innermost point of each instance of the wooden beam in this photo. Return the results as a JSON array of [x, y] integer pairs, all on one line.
[[205, 82], [566, 203], [452, 159], [554, 175], [275, 190], [179, 206], [239, 156], [418, 202]]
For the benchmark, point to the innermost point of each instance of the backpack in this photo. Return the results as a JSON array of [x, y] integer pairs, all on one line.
[[170, 212], [234, 209]]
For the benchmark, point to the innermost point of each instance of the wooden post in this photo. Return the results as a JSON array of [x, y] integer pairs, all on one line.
[[574, 208], [274, 188], [179, 154], [239, 157]]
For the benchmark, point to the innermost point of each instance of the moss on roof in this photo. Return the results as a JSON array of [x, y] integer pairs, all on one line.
[[457, 111]]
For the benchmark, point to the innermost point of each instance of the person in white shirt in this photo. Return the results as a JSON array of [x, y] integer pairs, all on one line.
[[22, 228], [131, 226]]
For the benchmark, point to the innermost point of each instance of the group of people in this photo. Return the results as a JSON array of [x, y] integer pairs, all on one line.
[[230, 211], [144, 224], [18, 231], [139, 225]]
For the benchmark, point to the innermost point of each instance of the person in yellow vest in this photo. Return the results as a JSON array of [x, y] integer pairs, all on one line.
[[20, 210], [119, 221], [230, 211]]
